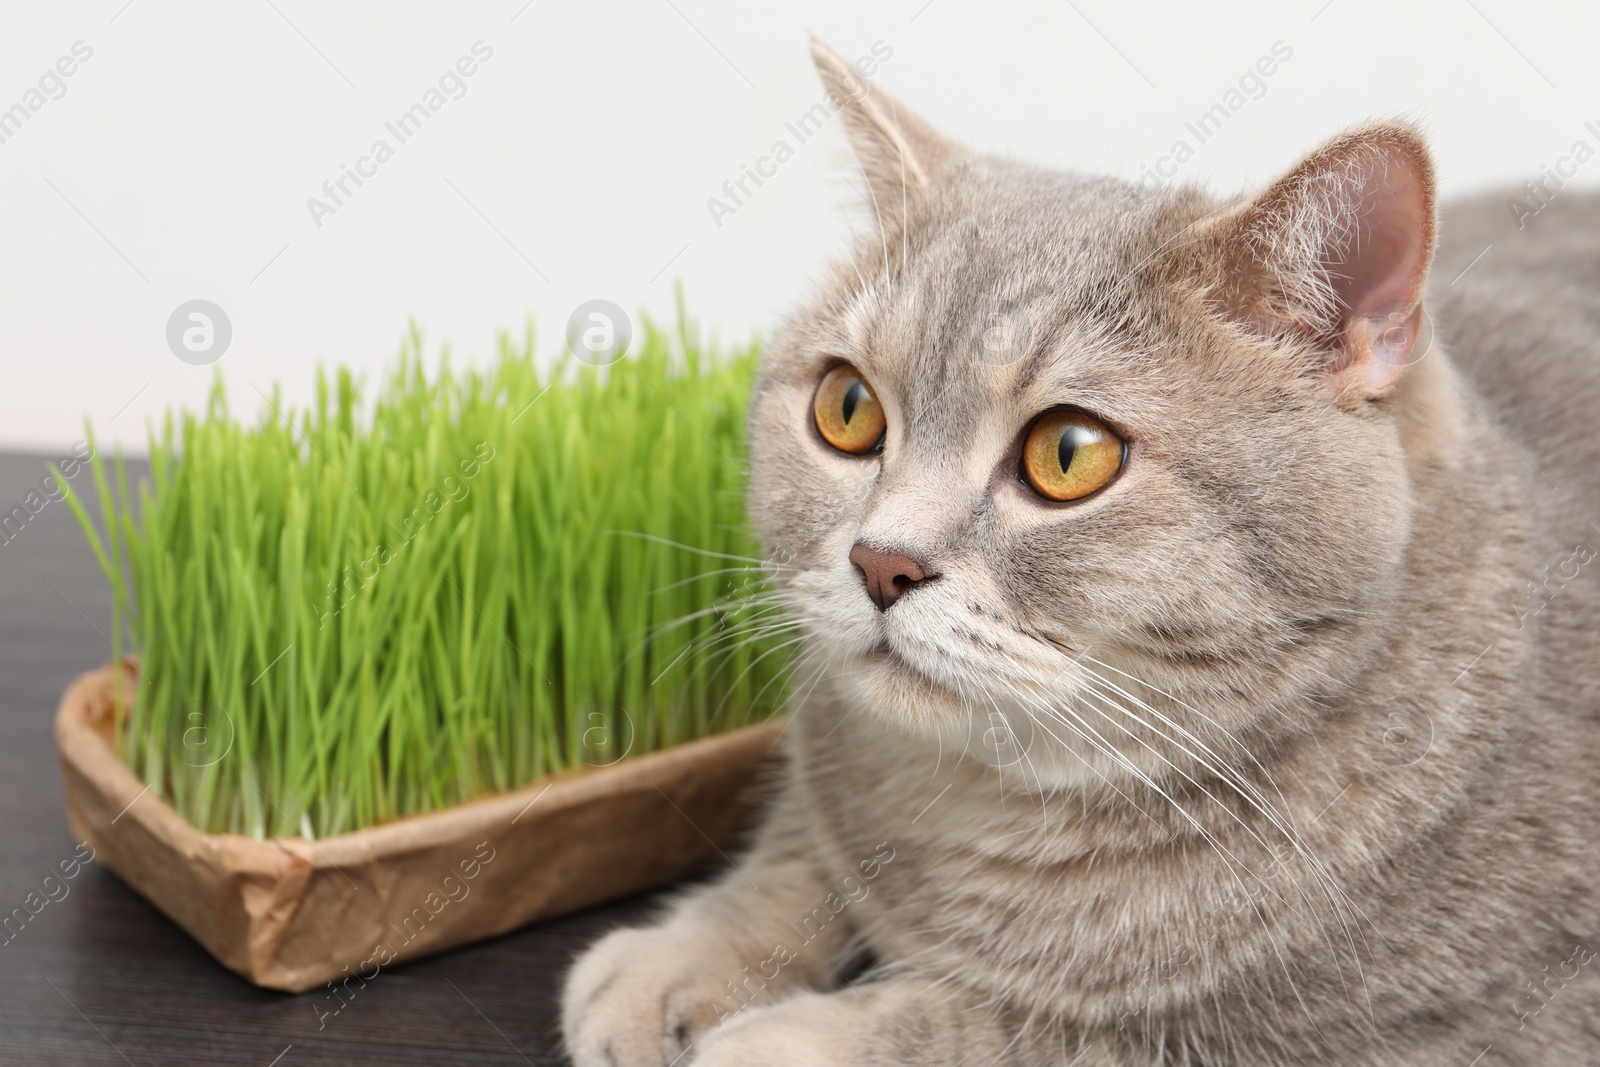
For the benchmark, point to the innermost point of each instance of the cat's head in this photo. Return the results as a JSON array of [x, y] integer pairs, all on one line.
[[1046, 433]]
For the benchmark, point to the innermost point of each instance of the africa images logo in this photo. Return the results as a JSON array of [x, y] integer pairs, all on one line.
[[1252, 85], [451, 85]]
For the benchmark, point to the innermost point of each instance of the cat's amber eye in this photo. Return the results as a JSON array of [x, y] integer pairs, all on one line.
[[847, 414], [1067, 455]]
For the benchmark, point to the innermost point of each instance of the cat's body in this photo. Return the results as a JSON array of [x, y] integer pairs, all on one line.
[[1299, 768]]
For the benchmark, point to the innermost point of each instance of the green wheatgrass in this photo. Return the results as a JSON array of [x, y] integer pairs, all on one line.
[[349, 614]]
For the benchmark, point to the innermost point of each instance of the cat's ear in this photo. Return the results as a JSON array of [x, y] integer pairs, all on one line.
[[1334, 255], [896, 149]]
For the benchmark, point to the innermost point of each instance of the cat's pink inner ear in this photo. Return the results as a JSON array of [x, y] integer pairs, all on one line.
[[1334, 255], [1378, 261]]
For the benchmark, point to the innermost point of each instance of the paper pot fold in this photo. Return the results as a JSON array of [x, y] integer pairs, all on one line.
[[292, 914]]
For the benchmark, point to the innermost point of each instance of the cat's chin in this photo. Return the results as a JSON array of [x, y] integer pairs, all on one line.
[[887, 684]]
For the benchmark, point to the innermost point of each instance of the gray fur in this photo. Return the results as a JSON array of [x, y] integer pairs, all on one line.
[[1340, 806]]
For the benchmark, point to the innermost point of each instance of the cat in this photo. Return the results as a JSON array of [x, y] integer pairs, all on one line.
[[1201, 650]]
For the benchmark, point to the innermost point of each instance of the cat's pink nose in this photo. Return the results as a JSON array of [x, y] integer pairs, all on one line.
[[889, 575]]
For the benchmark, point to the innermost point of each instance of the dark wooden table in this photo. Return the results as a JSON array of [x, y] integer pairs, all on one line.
[[101, 977]]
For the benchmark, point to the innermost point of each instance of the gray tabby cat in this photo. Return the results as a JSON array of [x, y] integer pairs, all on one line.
[[1202, 650]]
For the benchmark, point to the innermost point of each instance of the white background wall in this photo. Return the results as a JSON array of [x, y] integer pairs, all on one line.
[[578, 165]]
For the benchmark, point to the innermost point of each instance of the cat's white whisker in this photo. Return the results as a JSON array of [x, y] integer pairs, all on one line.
[[1209, 450], [1320, 876], [1280, 821], [1283, 821], [1232, 863]]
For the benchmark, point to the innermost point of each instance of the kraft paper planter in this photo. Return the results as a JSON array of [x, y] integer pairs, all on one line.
[[292, 914]]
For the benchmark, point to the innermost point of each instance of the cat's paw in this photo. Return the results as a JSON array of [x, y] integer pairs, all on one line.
[[642, 997], [794, 1034], [891, 1023]]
